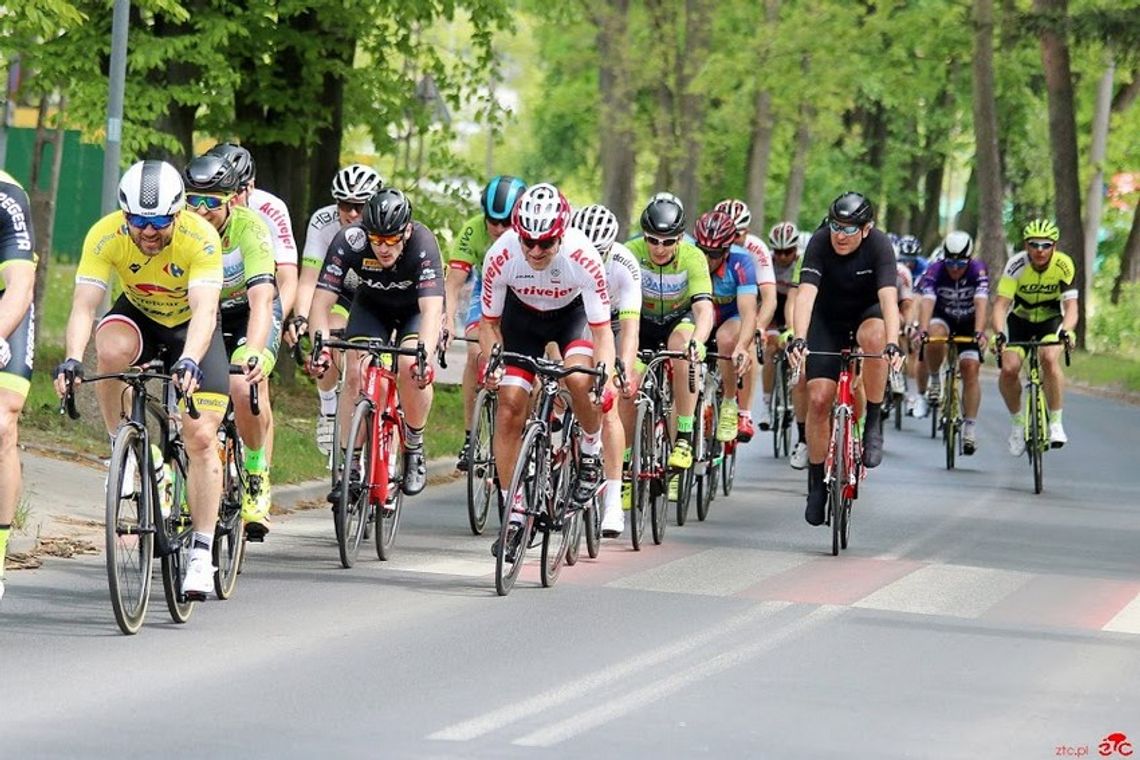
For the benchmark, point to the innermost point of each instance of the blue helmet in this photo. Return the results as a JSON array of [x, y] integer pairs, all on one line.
[[500, 196]]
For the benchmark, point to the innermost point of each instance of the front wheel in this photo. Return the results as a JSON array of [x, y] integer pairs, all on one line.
[[658, 485], [592, 527], [524, 496], [229, 536], [640, 472], [835, 506], [481, 486], [356, 480], [728, 467], [129, 531], [1036, 443]]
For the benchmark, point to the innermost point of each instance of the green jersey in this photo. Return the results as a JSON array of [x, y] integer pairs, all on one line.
[[247, 257], [669, 290], [471, 246]]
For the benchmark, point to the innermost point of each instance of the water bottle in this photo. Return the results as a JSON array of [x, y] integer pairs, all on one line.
[[164, 480]]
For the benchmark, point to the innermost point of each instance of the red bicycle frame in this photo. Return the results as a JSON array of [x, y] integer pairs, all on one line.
[[845, 400], [387, 430]]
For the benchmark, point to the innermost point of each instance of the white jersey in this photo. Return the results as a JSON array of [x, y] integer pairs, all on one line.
[[765, 272], [576, 270], [904, 282], [323, 226], [623, 274], [275, 214]]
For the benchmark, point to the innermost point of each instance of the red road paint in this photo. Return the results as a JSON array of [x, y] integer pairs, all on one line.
[[1065, 602]]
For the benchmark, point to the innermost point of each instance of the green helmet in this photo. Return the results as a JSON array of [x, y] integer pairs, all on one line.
[[1041, 228]]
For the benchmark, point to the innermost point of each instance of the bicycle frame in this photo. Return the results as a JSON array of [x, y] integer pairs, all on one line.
[[379, 387], [844, 402]]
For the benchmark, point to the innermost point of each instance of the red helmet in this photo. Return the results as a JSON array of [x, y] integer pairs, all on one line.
[[542, 213], [714, 231]]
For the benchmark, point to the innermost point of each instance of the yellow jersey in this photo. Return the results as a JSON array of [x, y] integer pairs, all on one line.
[[1038, 296], [157, 285]]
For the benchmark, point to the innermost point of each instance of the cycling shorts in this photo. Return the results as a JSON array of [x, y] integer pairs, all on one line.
[[961, 328], [526, 331], [829, 333], [654, 336], [235, 326], [1021, 329], [365, 323], [17, 374]]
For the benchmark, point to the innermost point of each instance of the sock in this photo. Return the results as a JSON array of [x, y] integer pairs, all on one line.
[[815, 474], [328, 402], [874, 411], [800, 431], [1055, 416], [613, 494], [415, 437], [591, 443], [747, 413], [969, 422], [255, 460], [767, 399], [202, 542], [1017, 418], [625, 455], [467, 435], [4, 531], [685, 424]]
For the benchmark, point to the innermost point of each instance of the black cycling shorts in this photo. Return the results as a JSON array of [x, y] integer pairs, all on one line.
[[526, 331], [365, 323], [235, 326], [153, 337], [654, 336], [828, 333], [17, 374], [1023, 330], [961, 328]]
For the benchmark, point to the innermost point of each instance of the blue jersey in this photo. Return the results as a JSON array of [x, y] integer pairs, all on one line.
[[735, 276], [916, 264]]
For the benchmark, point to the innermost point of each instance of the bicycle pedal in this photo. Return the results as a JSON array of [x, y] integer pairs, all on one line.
[[193, 596], [255, 532]]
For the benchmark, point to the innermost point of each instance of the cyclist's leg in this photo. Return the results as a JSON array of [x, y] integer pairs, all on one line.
[[734, 405], [268, 363], [685, 401], [872, 338], [936, 352], [1053, 379], [15, 380], [471, 361], [326, 384], [120, 339], [821, 372], [361, 323]]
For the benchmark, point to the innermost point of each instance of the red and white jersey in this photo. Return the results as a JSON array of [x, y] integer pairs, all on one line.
[[765, 271], [576, 270], [904, 282], [275, 214]]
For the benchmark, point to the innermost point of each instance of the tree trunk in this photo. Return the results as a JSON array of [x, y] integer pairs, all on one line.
[[43, 199], [794, 196], [1063, 141], [928, 232], [324, 157], [692, 100], [618, 153], [763, 123], [1129, 260], [179, 118], [986, 173], [663, 17], [1094, 203]]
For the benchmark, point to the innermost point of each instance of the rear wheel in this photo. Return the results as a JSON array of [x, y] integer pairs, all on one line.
[[527, 483], [728, 467], [481, 488], [776, 412], [175, 564], [592, 526], [640, 472], [129, 534], [659, 484], [705, 479], [229, 536], [388, 514], [356, 480], [562, 516]]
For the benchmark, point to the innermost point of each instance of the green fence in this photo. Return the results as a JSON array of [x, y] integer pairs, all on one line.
[[78, 204]]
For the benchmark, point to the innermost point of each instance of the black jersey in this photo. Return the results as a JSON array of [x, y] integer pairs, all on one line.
[[850, 284], [16, 240], [418, 273]]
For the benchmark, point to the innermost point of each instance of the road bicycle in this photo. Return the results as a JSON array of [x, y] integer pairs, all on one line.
[[372, 477], [781, 410], [709, 453], [542, 483], [1035, 410], [948, 410], [229, 537]]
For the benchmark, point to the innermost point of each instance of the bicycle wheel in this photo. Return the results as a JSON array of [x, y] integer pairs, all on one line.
[[659, 483], [356, 479], [592, 526], [705, 478], [388, 513], [130, 543], [574, 545], [838, 480], [174, 565], [1034, 445], [688, 476], [776, 411], [640, 471], [528, 482], [229, 535], [728, 467], [481, 488], [562, 517]]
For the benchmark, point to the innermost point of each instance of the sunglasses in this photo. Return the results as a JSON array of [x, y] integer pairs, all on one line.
[[957, 263], [1040, 246], [160, 222], [388, 240], [785, 251], [715, 253], [545, 245], [663, 242], [350, 208], [843, 229], [210, 202]]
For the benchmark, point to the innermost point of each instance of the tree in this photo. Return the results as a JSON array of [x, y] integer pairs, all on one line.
[[763, 124], [987, 159], [616, 137]]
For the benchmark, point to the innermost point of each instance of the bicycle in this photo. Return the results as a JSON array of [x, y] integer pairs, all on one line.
[[1035, 409], [229, 536], [482, 477], [949, 406], [136, 528], [543, 476], [781, 410], [709, 453], [372, 475]]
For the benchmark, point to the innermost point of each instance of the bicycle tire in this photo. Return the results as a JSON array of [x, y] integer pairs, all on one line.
[[130, 546], [1034, 444], [353, 509], [387, 515], [703, 484], [776, 410], [898, 410], [728, 467], [529, 484], [229, 533], [173, 571], [574, 544], [688, 476], [659, 486], [838, 480], [640, 467], [481, 486], [592, 527], [563, 518]]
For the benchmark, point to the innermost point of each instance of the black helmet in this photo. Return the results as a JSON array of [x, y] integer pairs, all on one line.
[[387, 212], [851, 208], [211, 173], [499, 197], [239, 157], [663, 216]]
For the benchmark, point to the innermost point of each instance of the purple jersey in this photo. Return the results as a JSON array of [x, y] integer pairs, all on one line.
[[954, 299]]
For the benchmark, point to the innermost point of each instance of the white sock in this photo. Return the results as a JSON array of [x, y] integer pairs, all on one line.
[[328, 402], [202, 542], [613, 494], [591, 443]]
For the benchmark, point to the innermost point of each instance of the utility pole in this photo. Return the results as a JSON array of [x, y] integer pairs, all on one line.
[[113, 144]]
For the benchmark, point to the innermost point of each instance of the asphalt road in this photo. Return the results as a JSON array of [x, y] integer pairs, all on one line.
[[969, 619]]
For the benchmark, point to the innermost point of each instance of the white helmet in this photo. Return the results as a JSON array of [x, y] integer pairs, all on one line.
[[958, 245], [356, 183], [738, 210], [783, 236], [599, 224], [151, 188], [542, 213]]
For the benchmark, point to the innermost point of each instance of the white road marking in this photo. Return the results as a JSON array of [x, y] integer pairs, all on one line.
[[714, 572], [1127, 620], [951, 590]]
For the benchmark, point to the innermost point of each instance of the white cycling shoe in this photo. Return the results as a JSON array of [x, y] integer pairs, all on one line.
[[799, 456], [1057, 437], [613, 521], [919, 407], [199, 580], [1017, 439]]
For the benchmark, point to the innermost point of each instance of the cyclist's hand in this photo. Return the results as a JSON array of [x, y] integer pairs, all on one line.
[[295, 328], [910, 331], [982, 340], [445, 334], [696, 351], [922, 336], [742, 360], [894, 355], [426, 379], [490, 380], [187, 375], [68, 370], [254, 372], [784, 338], [796, 351], [999, 342], [1065, 337], [319, 363]]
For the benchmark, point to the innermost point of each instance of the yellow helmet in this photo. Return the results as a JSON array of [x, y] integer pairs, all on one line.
[[1041, 228]]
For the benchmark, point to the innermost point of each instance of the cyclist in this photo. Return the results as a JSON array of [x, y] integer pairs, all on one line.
[[766, 281], [623, 278], [170, 266], [544, 282], [733, 275], [352, 186], [912, 266], [400, 293], [676, 308], [251, 316], [1036, 300], [497, 202], [955, 294], [784, 241], [849, 274], [17, 331]]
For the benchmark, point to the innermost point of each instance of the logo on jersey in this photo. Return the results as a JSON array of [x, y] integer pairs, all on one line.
[[174, 270], [135, 268], [355, 237], [401, 285], [371, 265], [151, 289], [334, 270]]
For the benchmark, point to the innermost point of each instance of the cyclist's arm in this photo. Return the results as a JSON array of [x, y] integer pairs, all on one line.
[[603, 338], [790, 308], [1001, 312], [431, 319], [762, 316], [84, 302], [453, 286], [203, 320], [1069, 314], [805, 304], [287, 287], [704, 316], [925, 312], [261, 298], [889, 303], [319, 311], [19, 283], [306, 286]]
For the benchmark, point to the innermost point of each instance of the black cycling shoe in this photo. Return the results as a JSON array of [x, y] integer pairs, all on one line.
[[464, 455], [415, 471], [872, 445], [589, 478], [514, 539], [816, 510]]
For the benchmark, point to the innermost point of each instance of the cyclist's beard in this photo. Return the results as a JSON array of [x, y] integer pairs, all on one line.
[[151, 241]]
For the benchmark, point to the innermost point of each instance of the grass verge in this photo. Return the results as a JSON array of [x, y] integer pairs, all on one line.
[[1106, 370]]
